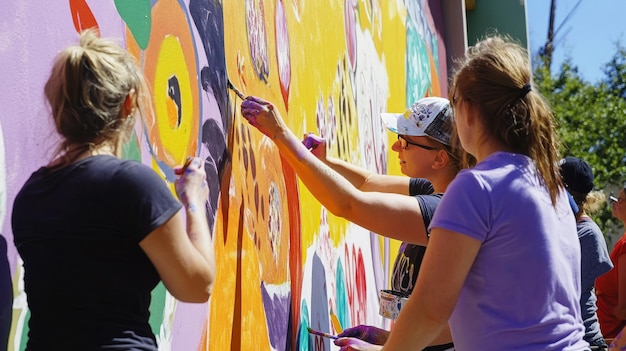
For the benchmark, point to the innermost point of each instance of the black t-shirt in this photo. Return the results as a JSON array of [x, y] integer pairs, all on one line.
[[87, 281], [409, 259]]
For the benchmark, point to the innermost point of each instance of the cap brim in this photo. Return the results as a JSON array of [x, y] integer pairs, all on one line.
[[391, 121], [397, 123]]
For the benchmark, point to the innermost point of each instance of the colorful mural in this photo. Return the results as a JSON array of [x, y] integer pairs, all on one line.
[[331, 66]]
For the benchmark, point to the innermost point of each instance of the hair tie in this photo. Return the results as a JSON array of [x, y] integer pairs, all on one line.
[[525, 90]]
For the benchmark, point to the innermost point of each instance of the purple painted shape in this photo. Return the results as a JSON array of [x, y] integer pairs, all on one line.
[[319, 301], [188, 326], [277, 311]]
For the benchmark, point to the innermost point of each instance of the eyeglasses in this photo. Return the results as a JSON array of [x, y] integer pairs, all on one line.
[[613, 199], [405, 144]]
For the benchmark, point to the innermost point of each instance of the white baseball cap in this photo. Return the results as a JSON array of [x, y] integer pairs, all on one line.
[[429, 116]]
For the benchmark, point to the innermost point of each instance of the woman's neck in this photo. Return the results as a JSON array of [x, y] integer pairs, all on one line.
[[77, 152], [487, 148]]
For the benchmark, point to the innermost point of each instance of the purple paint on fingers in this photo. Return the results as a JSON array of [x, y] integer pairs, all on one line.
[[257, 100], [250, 115], [312, 141], [253, 101]]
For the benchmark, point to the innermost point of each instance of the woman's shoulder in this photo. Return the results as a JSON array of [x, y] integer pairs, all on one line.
[[117, 165], [123, 172]]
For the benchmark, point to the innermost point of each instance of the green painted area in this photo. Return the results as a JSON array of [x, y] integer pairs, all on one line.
[[24, 337], [138, 17], [505, 16], [157, 306], [131, 150]]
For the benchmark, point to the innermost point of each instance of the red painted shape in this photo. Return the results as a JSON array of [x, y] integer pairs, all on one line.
[[295, 256], [356, 284], [361, 287], [82, 16]]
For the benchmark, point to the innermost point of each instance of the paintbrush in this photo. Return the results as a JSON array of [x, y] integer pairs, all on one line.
[[187, 163], [232, 87], [326, 335]]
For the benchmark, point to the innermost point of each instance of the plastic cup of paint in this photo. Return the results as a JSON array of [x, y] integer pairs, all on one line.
[[391, 303]]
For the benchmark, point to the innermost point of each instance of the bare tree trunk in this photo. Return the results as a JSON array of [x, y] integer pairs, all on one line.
[[548, 48]]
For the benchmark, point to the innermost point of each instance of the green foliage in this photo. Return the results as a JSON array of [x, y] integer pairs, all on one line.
[[615, 78], [591, 123]]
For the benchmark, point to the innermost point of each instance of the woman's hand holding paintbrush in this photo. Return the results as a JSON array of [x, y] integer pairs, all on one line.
[[317, 332], [191, 186], [262, 115], [362, 337], [368, 333]]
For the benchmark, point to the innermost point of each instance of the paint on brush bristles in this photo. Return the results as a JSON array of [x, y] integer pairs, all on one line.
[[232, 87], [187, 163], [326, 335]]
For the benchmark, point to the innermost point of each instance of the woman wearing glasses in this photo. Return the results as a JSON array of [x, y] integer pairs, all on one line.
[[371, 200], [514, 282], [611, 287]]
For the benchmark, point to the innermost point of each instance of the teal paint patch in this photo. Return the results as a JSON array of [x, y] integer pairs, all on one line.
[[343, 310], [418, 72], [435, 52], [138, 17], [304, 342]]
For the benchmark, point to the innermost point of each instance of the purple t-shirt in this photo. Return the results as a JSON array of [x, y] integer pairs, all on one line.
[[522, 291]]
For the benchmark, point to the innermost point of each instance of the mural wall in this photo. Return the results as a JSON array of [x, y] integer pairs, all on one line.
[[331, 66]]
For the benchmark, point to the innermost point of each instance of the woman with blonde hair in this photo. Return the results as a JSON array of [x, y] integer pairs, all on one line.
[[514, 282], [97, 233]]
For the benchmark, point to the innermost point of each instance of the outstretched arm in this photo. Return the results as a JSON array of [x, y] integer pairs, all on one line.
[[361, 178], [383, 213], [425, 315], [184, 258]]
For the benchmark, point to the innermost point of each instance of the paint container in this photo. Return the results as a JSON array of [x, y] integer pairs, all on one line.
[[391, 303]]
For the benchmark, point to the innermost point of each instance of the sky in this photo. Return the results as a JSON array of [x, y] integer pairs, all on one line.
[[588, 35]]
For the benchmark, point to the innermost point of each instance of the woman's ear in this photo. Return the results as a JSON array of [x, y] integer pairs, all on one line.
[[442, 158], [129, 104]]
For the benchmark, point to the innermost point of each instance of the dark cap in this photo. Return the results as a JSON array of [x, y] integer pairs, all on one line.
[[576, 174]]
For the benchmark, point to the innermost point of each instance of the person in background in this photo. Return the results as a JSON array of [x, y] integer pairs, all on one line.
[[578, 179], [514, 282], [611, 287], [97, 233], [425, 153]]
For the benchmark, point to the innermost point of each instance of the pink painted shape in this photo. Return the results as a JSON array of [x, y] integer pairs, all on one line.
[[350, 29], [282, 52]]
